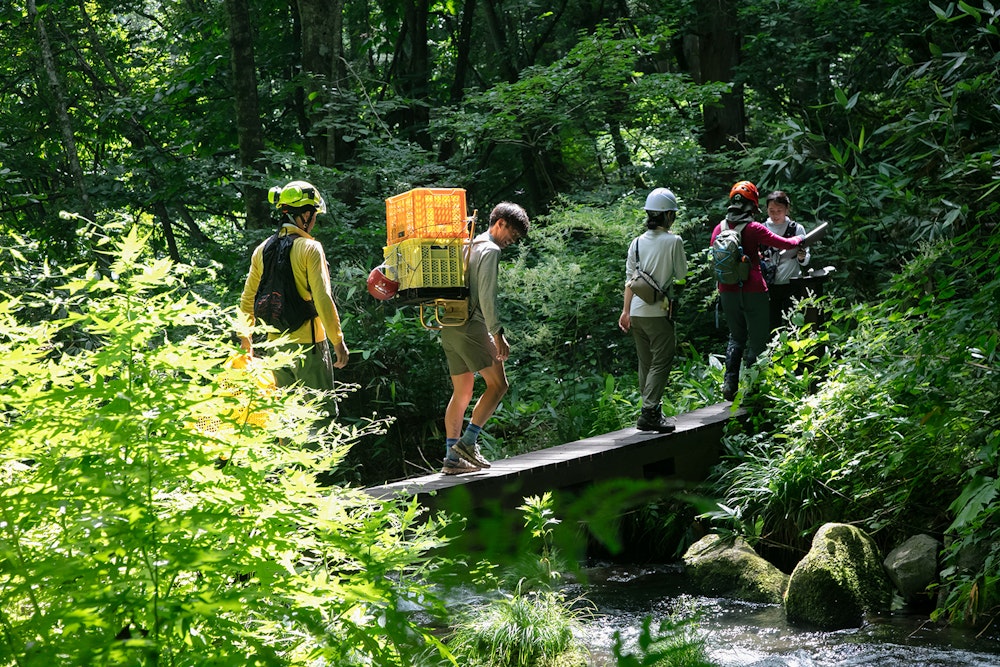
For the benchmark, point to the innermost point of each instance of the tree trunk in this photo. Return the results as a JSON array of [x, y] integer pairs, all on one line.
[[713, 52], [463, 47], [250, 132], [504, 48], [194, 231], [61, 112], [321, 23], [411, 67], [168, 230]]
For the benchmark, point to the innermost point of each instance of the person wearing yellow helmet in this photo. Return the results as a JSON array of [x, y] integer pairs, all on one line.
[[300, 203]]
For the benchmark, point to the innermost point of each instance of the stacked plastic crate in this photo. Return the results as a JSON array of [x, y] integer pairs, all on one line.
[[427, 235]]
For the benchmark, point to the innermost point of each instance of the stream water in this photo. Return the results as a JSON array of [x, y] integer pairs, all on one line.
[[739, 634]]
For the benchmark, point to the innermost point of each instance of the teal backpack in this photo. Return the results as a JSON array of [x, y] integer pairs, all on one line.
[[730, 265]]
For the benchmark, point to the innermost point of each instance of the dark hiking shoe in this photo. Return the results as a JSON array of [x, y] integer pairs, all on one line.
[[471, 454], [729, 388], [458, 467], [651, 419]]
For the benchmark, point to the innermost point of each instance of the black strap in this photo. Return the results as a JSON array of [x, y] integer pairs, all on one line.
[[312, 324], [639, 267]]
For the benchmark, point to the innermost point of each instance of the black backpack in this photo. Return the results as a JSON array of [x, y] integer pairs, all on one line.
[[277, 301]]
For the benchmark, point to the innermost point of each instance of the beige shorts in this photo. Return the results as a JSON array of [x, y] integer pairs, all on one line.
[[468, 348]]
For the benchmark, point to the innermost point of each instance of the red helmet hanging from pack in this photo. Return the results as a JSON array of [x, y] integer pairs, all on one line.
[[381, 286], [748, 190]]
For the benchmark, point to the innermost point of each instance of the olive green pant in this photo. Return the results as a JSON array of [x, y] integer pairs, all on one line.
[[313, 369], [749, 318], [655, 345]]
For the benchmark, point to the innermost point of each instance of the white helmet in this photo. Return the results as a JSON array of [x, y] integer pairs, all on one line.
[[661, 199]]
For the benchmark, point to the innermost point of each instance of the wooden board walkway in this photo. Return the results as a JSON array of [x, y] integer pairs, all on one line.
[[687, 454]]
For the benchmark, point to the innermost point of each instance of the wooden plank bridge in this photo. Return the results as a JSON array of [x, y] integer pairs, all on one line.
[[686, 455]]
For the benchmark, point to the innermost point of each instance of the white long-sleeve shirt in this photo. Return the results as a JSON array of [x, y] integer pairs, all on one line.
[[661, 255]]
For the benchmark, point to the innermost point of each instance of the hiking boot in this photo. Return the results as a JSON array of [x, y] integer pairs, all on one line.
[[470, 453], [458, 467], [730, 385], [731, 379], [651, 419]]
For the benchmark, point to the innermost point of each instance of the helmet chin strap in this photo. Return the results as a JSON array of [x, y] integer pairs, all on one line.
[[295, 221]]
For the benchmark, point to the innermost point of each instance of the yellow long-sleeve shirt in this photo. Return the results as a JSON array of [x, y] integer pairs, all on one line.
[[312, 280]]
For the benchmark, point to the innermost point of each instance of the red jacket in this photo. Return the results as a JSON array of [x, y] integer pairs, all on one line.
[[755, 235]]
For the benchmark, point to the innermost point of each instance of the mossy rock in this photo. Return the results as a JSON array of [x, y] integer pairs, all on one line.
[[731, 568], [839, 581]]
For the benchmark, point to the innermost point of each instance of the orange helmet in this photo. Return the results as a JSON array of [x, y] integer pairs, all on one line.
[[381, 286], [748, 190]]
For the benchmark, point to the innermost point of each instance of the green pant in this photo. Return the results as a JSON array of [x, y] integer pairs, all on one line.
[[749, 318], [655, 345], [313, 369]]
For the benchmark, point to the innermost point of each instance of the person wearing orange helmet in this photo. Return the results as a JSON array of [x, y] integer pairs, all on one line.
[[300, 203], [746, 305]]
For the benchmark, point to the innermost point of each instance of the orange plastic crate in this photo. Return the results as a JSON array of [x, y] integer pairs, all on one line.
[[437, 213]]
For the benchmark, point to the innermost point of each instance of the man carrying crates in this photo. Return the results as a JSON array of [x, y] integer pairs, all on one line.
[[479, 345], [431, 262]]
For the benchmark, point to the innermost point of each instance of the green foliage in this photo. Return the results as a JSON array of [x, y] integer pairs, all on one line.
[[909, 159], [897, 423], [519, 630], [672, 643], [149, 518], [889, 134], [563, 110], [534, 626]]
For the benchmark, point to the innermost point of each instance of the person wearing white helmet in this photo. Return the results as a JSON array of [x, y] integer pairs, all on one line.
[[660, 254], [300, 203]]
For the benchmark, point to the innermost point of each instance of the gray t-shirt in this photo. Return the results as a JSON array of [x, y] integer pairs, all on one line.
[[484, 266], [788, 264]]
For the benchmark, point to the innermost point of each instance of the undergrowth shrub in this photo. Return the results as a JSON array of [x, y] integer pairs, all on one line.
[[152, 514], [671, 643], [535, 624], [900, 434]]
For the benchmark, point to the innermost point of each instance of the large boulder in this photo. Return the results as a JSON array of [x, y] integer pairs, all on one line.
[[839, 581], [913, 566], [731, 568]]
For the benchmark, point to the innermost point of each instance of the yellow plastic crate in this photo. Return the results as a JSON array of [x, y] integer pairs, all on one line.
[[263, 380], [426, 213], [420, 263]]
